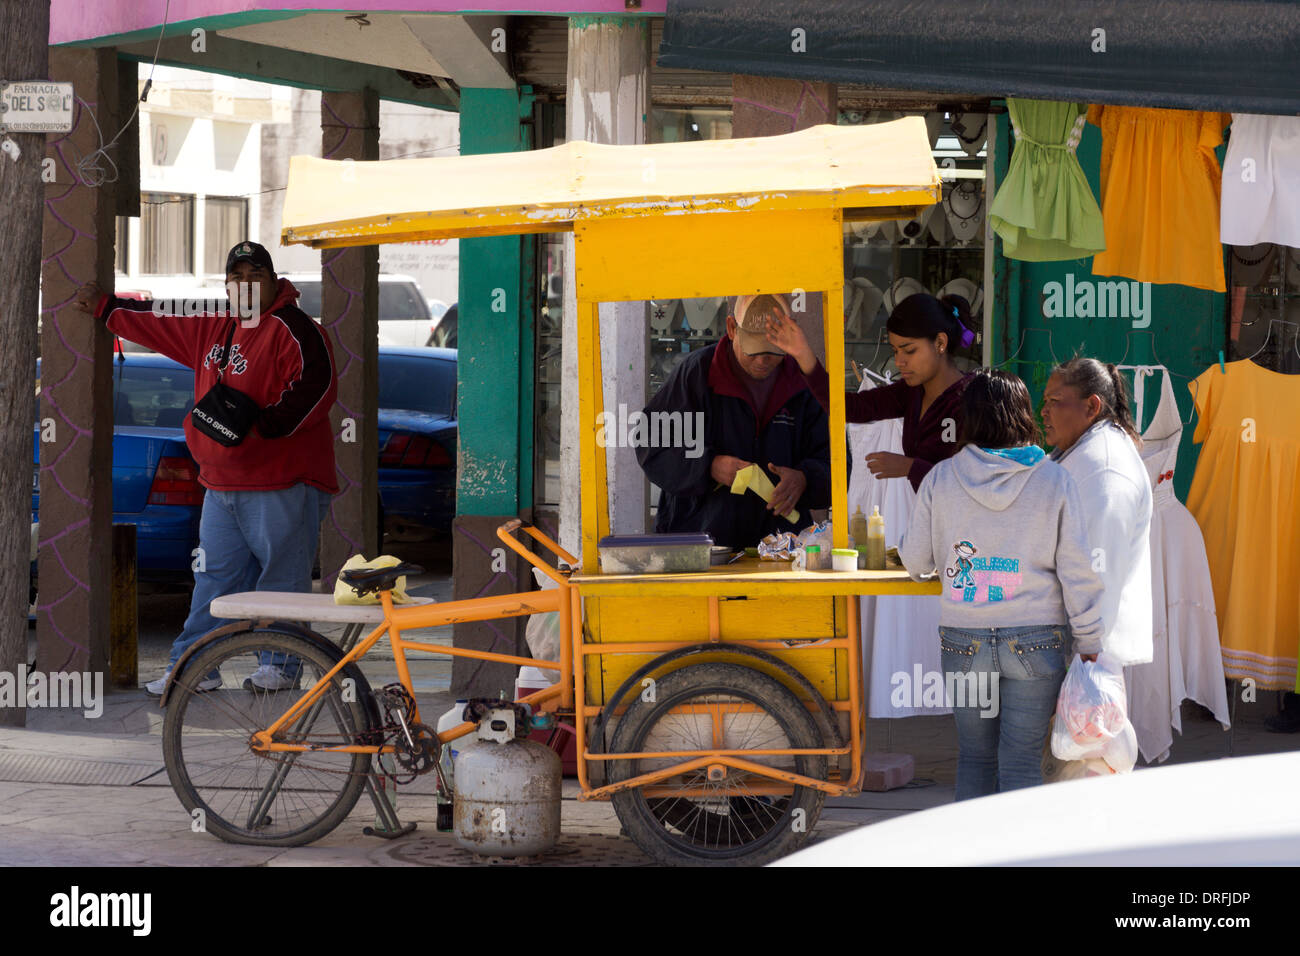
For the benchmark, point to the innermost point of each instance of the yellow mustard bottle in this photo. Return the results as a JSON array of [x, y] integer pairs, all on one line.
[[876, 540]]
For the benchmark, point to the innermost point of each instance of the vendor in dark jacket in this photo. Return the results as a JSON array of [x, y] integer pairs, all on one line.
[[923, 332], [756, 408]]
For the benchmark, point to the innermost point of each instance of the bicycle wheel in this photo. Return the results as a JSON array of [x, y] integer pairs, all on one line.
[[690, 819], [265, 799]]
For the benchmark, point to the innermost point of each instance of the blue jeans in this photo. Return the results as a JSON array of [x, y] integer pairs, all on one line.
[[253, 541], [1011, 676]]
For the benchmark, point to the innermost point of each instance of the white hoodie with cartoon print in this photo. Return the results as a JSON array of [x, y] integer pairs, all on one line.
[[1008, 541]]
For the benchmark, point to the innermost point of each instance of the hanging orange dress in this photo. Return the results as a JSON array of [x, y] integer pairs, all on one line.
[[1160, 187], [1245, 495]]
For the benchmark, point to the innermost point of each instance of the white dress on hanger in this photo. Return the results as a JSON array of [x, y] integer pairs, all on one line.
[[1261, 181], [1187, 663], [898, 633]]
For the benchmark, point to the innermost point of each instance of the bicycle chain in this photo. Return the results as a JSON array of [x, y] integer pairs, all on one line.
[[416, 748]]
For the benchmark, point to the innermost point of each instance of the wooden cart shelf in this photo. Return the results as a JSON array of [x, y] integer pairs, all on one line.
[[753, 577]]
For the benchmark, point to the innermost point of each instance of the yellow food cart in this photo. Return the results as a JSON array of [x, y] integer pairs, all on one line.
[[717, 709]]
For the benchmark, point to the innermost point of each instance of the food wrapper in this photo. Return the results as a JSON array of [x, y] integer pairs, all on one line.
[[778, 547], [754, 478]]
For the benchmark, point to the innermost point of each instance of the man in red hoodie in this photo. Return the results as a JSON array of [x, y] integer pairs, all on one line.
[[268, 493]]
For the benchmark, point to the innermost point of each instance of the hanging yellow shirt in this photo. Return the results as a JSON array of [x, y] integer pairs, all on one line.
[[1245, 495], [1160, 187]]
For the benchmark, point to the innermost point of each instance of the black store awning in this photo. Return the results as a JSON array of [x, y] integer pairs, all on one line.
[[1229, 55]]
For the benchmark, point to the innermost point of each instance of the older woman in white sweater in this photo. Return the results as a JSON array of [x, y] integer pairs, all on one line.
[[1086, 417]]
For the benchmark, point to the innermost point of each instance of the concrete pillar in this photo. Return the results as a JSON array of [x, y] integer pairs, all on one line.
[[350, 312], [76, 407], [494, 396], [770, 106], [607, 102]]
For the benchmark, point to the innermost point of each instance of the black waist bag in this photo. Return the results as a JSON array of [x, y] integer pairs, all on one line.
[[225, 414]]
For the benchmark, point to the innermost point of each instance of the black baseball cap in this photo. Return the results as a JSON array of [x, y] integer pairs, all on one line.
[[251, 252]]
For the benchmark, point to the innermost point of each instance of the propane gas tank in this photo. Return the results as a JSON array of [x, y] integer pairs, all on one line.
[[507, 789]]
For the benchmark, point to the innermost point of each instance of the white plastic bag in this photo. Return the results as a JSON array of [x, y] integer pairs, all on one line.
[[818, 534], [543, 631], [1092, 719]]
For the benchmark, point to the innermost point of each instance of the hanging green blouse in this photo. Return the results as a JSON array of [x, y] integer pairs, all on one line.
[[1044, 210]]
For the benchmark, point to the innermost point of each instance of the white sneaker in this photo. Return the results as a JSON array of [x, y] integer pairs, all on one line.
[[270, 677], [155, 688]]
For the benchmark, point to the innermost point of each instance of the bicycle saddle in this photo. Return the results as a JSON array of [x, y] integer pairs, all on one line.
[[374, 580]]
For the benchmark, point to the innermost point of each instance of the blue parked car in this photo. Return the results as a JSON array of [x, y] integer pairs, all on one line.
[[417, 437], [155, 481]]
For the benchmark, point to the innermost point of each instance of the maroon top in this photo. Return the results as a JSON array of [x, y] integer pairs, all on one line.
[[923, 435]]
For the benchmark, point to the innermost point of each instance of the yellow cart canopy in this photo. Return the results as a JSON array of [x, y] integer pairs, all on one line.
[[882, 171]]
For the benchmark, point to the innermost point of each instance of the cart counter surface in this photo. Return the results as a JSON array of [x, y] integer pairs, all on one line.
[[750, 576]]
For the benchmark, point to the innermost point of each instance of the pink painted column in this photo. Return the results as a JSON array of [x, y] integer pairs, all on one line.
[[350, 312], [76, 408], [768, 106]]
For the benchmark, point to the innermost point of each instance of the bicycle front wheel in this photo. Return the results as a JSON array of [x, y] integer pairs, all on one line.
[[265, 799]]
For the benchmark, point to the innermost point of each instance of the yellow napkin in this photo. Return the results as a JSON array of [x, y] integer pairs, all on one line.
[[344, 594], [755, 479]]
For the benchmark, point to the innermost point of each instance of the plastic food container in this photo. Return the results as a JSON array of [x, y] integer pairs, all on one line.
[[654, 553], [816, 561], [844, 559]]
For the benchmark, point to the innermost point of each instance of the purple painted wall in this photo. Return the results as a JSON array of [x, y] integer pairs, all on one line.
[[75, 20]]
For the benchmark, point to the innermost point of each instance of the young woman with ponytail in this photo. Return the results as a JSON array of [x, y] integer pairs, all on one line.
[[924, 332], [1086, 417]]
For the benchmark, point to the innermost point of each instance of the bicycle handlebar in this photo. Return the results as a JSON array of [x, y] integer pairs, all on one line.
[[505, 534]]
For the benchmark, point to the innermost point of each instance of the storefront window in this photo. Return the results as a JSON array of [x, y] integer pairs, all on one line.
[[1264, 304], [121, 253], [225, 222], [941, 252], [167, 234]]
